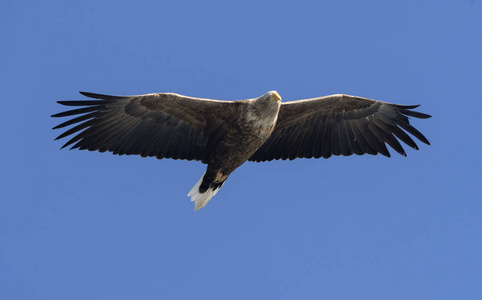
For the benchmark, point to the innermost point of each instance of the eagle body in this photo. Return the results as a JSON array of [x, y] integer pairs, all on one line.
[[254, 123], [225, 134]]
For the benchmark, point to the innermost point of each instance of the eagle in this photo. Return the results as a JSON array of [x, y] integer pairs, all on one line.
[[225, 134]]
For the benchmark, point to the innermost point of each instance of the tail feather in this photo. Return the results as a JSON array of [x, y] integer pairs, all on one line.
[[201, 199]]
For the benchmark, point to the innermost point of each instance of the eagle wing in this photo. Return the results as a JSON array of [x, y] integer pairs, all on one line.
[[339, 125], [162, 125]]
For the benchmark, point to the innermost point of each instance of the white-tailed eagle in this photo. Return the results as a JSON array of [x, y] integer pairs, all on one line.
[[225, 134]]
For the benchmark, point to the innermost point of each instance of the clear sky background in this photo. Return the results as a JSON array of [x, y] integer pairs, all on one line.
[[86, 225]]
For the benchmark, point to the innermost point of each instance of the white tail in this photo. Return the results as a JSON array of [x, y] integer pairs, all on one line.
[[201, 199]]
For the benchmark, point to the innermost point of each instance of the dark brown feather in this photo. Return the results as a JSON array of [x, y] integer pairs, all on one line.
[[339, 125], [162, 125]]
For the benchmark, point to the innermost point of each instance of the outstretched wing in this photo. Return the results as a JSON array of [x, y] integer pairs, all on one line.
[[339, 125], [162, 125]]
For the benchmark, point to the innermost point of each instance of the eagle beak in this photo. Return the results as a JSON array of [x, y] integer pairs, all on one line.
[[276, 96]]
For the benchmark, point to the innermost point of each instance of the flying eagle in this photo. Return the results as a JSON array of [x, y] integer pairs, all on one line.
[[225, 134]]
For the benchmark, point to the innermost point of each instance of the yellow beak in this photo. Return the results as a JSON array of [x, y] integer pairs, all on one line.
[[276, 96]]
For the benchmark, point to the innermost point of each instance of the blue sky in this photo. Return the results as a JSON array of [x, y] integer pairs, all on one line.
[[86, 225]]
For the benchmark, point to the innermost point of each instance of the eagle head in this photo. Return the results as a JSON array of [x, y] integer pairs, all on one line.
[[270, 96], [269, 103], [263, 111]]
